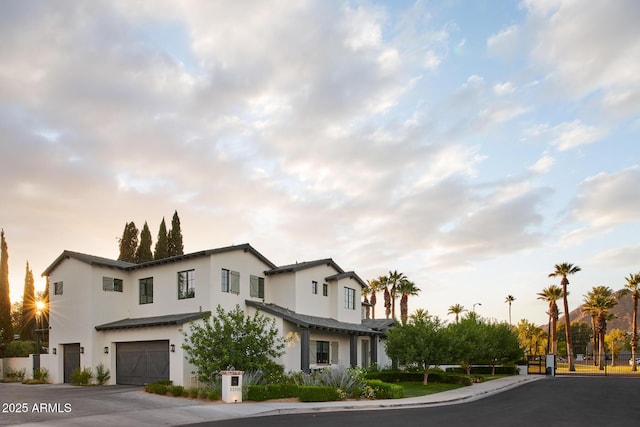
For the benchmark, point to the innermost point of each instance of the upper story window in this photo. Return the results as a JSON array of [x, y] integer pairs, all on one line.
[[146, 290], [57, 288], [109, 284], [256, 286], [230, 281], [349, 298], [186, 284], [325, 290], [314, 287]]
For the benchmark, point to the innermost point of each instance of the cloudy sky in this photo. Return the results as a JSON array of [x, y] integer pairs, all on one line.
[[471, 145]]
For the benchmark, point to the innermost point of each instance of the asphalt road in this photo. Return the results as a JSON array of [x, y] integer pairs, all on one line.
[[559, 401]]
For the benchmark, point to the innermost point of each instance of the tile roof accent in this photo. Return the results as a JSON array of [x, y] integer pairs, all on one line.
[[146, 322], [349, 275], [91, 259], [382, 325], [313, 322], [304, 265]]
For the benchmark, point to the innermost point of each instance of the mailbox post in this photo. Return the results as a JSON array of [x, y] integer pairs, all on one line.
[[232, 386]]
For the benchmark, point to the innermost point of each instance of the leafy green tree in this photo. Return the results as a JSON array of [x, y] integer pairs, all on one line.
[[563, 270], [502, 345], [616, 340], [248, 343], [633, 287], [551, 294], [456, 309], [176, 246], [128, 243], [6, 328], [143, 252], [531, 337], [580, 333], [423, 341], [469, 341], [162, 242], [29, 309]]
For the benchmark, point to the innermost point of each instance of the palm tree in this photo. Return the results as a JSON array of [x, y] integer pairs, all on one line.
[[633, 287], [375, 287], [366, 292], [456, 309], [563, 270], [510, 299], [406, 288], [394, 279], [599, 302], [551, 294]]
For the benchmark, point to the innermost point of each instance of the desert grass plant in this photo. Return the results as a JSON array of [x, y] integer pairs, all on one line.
[[81, 376], [14, 375], [102, 375], [40, 376]]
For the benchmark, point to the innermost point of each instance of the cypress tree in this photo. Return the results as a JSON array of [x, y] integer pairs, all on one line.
[[28, 307], [175, 237], [162, 244], [128, 243], [143, 253], [6, 328]]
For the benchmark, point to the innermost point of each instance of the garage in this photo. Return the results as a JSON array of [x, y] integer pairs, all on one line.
[[142, 362]]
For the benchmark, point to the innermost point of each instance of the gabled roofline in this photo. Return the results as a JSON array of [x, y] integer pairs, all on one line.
[[128, 266], [303, 266], [347, 274], [88, 259], [313, 322]]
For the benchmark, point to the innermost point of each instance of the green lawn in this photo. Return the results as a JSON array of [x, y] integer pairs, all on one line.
[[413, 389]]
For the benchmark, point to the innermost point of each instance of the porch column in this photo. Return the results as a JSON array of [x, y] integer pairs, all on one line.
[[353, 347], [304, 350], [374, 350]]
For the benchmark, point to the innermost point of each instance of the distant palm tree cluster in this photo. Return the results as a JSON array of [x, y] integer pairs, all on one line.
[[392, 286]]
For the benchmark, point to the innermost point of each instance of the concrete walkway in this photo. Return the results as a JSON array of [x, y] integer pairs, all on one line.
[[163, 410]]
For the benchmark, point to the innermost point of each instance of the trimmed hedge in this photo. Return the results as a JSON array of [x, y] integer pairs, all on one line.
[[486, 370], [272, 391], [316, 393], [385, 390]]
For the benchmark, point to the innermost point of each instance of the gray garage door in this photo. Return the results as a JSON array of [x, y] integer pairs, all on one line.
[[142, 362]]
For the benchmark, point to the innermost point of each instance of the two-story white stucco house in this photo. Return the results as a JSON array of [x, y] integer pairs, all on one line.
[[132, 318]]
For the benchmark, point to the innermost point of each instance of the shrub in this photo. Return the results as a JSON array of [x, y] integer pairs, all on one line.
[[176, 390], [193, 392], [156, 388], [41, 375], [213, 395], [81, 376], [102, 375], [487, 370], [314, 393], [203, 393], [257, 393], [13, 375], [384, 390]]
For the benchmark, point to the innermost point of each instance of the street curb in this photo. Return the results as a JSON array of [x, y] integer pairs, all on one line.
[[397, 405]]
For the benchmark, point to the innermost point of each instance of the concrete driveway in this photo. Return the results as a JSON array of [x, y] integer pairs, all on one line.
[[66, 405]]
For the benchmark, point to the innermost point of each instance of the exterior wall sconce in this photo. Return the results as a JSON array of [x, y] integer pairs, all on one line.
[[173, 348], [106, 350], [54, 351], [81, 350]]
